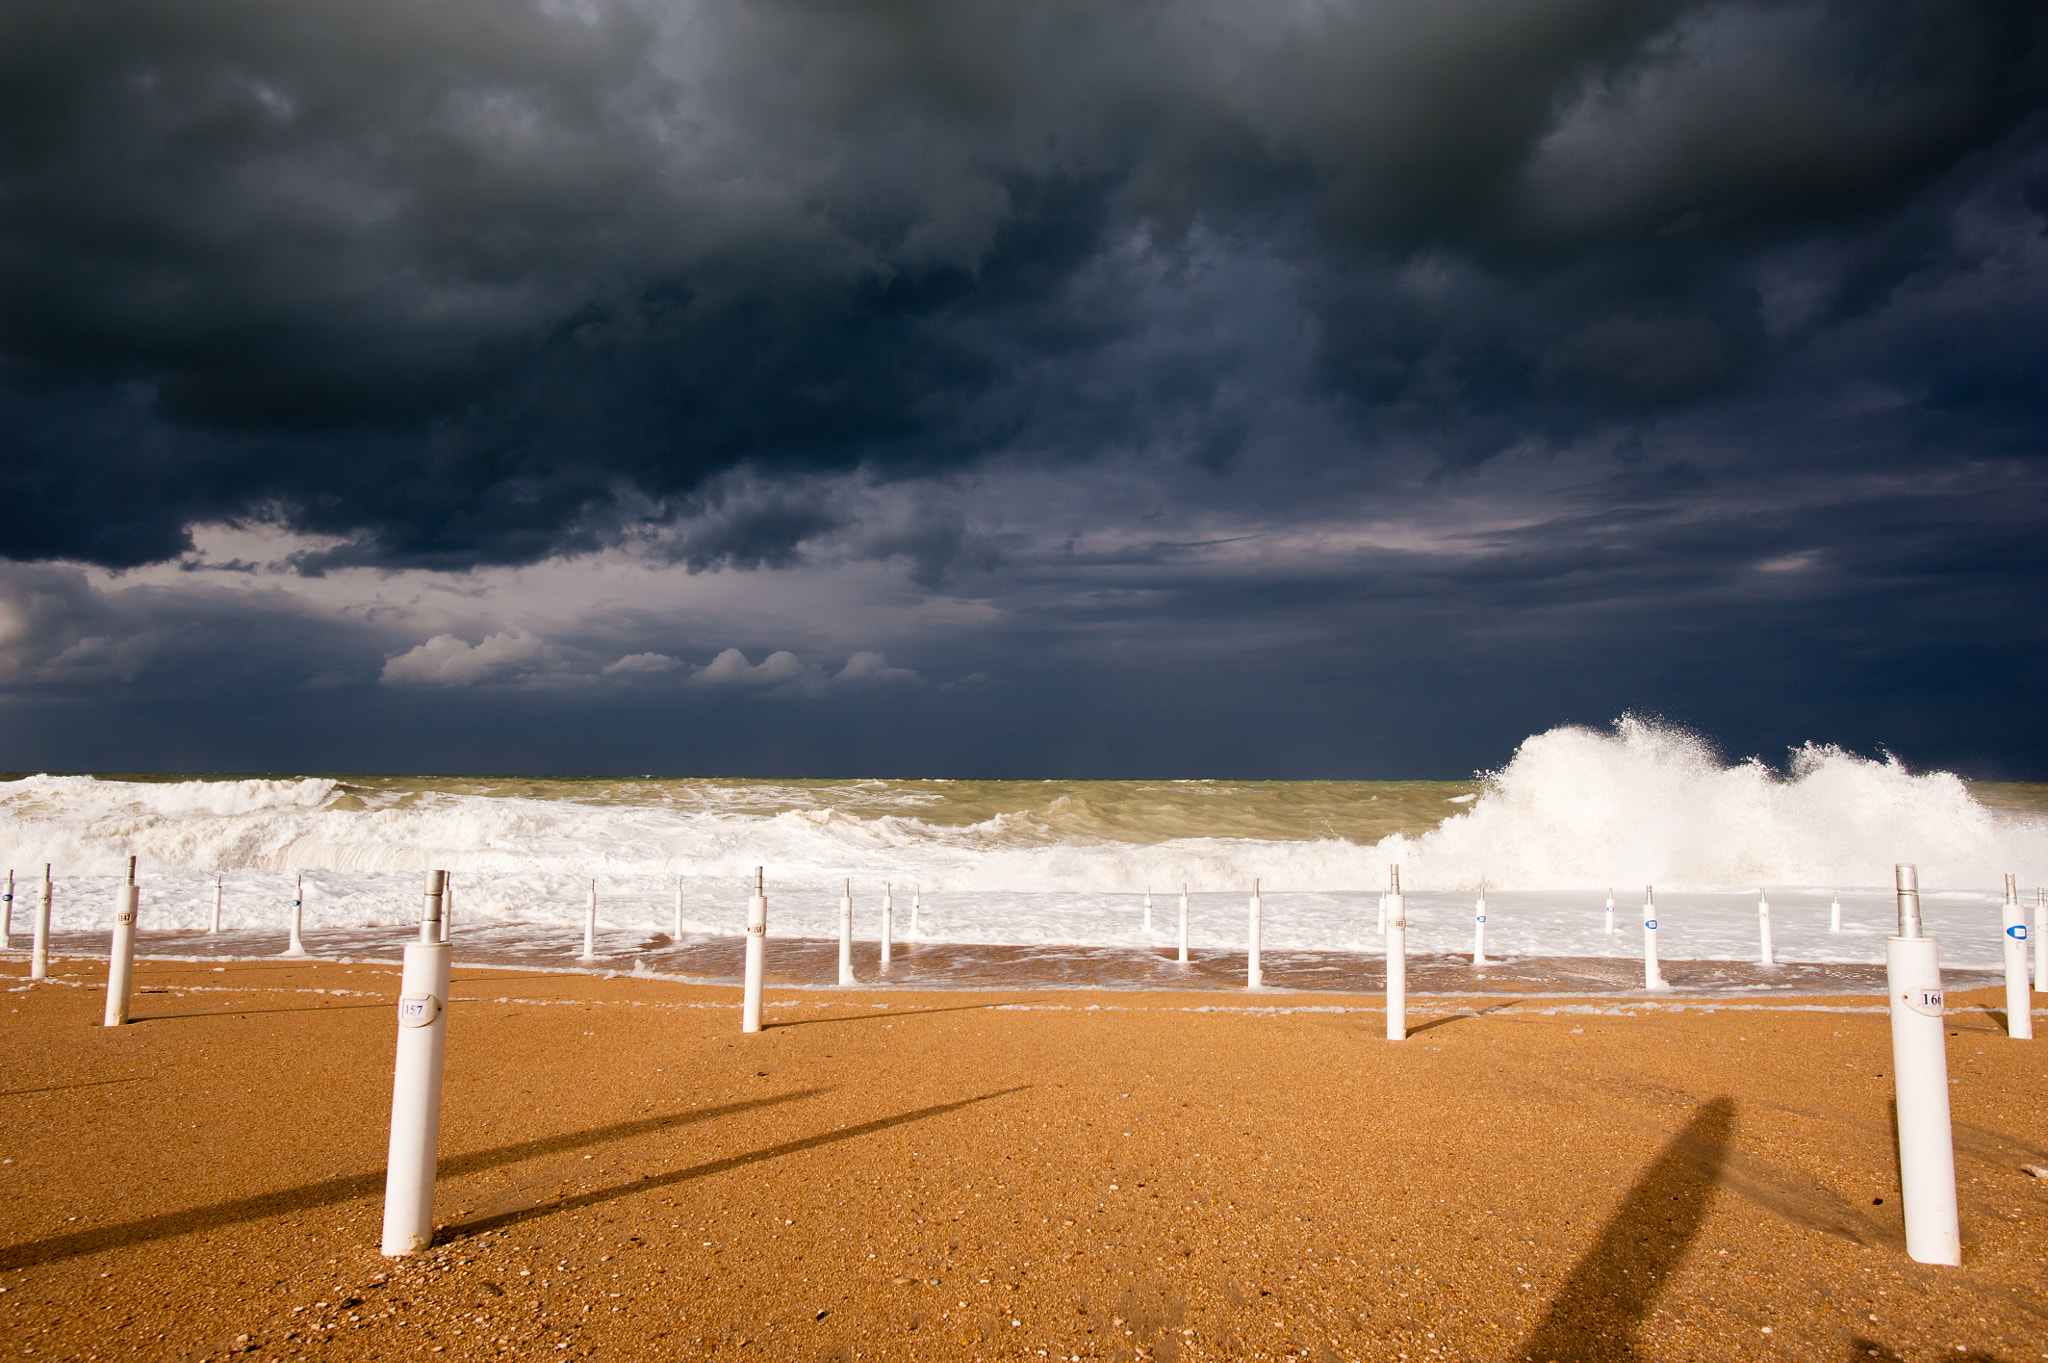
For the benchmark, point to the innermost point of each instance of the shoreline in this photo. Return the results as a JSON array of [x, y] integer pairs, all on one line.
[[812, 964]]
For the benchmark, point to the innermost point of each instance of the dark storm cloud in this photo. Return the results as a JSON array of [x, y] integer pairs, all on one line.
[[63, 636], [465, 283]]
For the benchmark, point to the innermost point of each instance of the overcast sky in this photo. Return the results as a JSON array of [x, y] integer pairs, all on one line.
[[812, 387]]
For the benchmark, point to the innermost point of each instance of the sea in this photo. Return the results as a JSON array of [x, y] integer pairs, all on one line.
[[1062, 883]]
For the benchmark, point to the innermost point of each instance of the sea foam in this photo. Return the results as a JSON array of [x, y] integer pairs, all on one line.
[[1653, 804], [1574, 808]]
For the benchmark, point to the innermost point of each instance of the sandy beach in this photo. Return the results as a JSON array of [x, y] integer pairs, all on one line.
[[985, 1174]]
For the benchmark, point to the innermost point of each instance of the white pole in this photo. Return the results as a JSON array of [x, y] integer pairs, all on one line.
[[1382, 929], [1252, 975], [1479, 928], [1835, 914], [297, 947], [2041, 939], [2019, 1004], [7, 928], [757, 946], [846, 936], [678, 934], [416, 1084], [1653, 976], [39, 945], [590, 925], [888, 923], [1148, 910], [1183, 923], [215, 927], [1763, 929], [1927, 1154], [448, 907], [1397, 958], [121, 960], [1610, 911], [916, 907]]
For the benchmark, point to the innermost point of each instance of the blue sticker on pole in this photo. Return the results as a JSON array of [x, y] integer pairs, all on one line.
[[1650, 923], [2017, 931]]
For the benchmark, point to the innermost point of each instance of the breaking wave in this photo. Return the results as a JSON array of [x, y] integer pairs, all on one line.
[[1574, 808]]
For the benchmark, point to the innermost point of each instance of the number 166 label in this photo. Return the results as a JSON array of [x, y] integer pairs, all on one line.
[[1926, 1000]]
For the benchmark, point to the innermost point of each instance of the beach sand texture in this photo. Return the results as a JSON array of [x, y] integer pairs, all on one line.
[[903, 1175]]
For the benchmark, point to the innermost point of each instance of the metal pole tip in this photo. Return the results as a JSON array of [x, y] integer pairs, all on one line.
[[1907, 877]]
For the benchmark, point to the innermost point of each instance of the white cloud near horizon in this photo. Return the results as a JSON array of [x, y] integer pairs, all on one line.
[[731, 668], [873, 669], [520, 658], [445, 660], [782, 673], [639, 664]]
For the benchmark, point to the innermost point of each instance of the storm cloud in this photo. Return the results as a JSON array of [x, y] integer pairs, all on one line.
[[981, 352]]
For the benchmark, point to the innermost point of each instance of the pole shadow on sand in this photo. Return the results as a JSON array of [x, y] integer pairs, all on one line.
[[1450, 1018], [648, 1183], [349, 1187], [891, 1016], [1610, 1291]]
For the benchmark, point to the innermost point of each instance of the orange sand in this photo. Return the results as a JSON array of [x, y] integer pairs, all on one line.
[[986, 1175]]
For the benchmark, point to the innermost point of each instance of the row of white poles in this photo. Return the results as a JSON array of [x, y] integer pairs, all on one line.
[[2014, 929], [2019, 1016], [1766, 951], [1763, 913], [757, 932], [1652, 979], [39, 951], [1392, 909], [39, 940], [1182, 958]]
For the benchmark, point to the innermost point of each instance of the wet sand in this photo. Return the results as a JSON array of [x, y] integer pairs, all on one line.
[[1029, 1174], [814, 962]]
